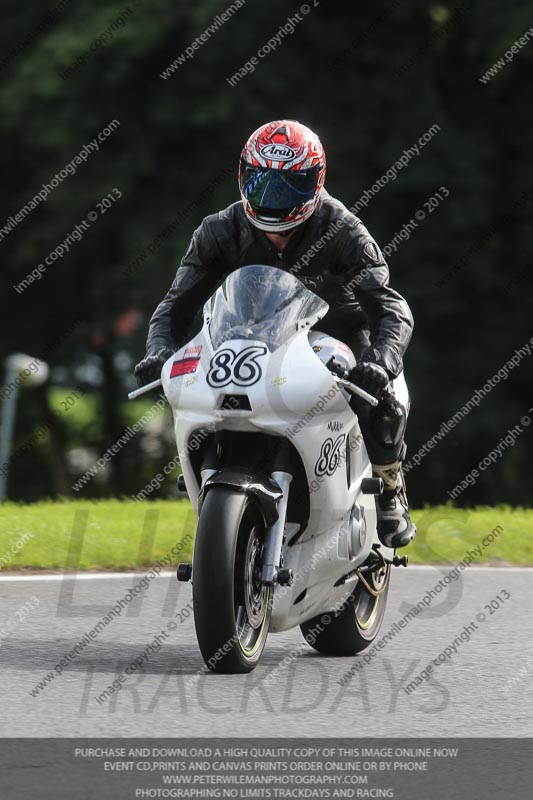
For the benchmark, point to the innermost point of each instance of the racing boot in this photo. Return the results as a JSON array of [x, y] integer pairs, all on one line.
[[395, 527]]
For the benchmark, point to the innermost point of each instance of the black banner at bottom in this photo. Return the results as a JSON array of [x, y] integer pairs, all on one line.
[[126, 769]]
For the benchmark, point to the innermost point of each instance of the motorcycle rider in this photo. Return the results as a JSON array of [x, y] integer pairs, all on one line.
[[286, 219]]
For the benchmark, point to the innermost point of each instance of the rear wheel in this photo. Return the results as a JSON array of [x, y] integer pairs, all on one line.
[[354, 627], [232, 608]]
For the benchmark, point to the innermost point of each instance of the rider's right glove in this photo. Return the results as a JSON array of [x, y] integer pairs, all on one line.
[[149, 369], [370, 377]]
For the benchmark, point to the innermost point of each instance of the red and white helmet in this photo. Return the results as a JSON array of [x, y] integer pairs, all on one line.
[[281, 172]]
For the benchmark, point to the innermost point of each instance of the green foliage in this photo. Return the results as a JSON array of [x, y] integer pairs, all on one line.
[[81, 420], [340, 72]]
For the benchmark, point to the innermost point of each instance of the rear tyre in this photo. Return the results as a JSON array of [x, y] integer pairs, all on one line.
[[232, 608], [353, 628]]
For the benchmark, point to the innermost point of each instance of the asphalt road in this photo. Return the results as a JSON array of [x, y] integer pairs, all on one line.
[[484, 688]]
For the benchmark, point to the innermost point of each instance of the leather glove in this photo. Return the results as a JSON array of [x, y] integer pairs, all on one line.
[[370, 377], [149, 369]]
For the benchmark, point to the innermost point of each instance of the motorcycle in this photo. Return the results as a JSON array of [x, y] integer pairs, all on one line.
[[277, 471]]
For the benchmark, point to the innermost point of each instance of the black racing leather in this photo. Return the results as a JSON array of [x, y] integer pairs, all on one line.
[[341, 263]]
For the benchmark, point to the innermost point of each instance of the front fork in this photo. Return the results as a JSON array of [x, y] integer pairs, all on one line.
[[272, 572]]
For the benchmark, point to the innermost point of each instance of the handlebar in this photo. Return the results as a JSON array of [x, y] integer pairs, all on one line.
[[354, 389], [143, 389], [336, 368]]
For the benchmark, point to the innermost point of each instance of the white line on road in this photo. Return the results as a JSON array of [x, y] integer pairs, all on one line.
[[81, 576], [97, 576]]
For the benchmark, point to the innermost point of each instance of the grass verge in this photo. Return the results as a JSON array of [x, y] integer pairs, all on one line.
[[123, 534]]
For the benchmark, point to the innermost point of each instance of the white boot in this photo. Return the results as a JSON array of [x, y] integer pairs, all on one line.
[[395, 526]]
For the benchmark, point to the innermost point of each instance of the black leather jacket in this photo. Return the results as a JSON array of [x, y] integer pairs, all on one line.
[[332, 253]]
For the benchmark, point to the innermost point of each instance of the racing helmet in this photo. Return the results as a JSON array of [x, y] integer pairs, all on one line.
[[281, 172]]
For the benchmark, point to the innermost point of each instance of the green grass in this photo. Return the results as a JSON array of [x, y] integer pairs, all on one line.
[[123, 534], [109, 534], [446, 534]]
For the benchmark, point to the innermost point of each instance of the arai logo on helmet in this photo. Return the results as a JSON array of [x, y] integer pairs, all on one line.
[[277, 152]]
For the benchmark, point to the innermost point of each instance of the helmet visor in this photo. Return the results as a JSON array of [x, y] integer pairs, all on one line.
[[277, 189]]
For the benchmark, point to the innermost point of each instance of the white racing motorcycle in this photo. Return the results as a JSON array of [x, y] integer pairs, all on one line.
[[276, 468]]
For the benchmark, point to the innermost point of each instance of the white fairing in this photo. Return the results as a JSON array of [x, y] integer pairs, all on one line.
[[291, 395]]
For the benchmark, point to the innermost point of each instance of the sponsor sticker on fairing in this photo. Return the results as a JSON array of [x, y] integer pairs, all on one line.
[[193, 352], [184, 367]]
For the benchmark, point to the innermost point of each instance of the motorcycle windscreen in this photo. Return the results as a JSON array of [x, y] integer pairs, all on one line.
[[262, 303]]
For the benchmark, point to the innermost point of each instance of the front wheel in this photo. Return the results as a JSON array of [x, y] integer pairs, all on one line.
[[232, 608], [355, 626]]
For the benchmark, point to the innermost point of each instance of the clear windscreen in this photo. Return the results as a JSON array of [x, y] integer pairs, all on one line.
[[262, 303]]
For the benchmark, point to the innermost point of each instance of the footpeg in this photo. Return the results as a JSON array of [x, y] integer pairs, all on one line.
[[373, 486], [395, 561], [400, 561], [184, 572], [285, 577], [182, 489]]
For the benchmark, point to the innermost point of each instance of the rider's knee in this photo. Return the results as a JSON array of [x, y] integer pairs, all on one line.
[[387, 422]]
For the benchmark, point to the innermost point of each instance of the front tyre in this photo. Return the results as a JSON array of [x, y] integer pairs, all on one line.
[[354, 627], [232, 608]]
